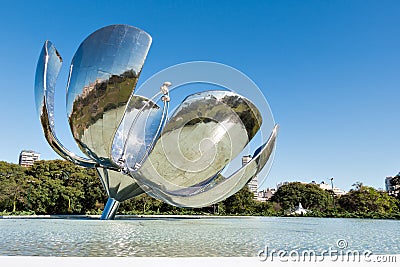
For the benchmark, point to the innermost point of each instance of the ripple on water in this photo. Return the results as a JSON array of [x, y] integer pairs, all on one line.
[[192, 237]]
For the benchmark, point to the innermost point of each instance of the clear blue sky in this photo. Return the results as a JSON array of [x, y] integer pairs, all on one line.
[[329, 69]]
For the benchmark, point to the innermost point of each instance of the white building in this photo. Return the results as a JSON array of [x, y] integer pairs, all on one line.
[[325, 186], [253, 183], [337, 191], [28, 157], [281, 184], [392, 187], [266, 194]]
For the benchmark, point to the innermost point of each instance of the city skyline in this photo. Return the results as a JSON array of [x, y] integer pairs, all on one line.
[[329, 71]]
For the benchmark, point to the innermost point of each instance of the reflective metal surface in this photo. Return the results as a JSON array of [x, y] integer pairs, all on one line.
[[110, 210], [185, 159], [137, 132], [118, 185], [103, 75], [220, 187], [204, 134], [206, 75], [47, 71]]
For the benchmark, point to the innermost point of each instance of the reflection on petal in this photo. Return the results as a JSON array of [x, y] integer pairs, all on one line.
[[204, 134], [137, 132], [118, 185], [104, 73], [109, 62], [221, 187], [181, 161], [47, 71]]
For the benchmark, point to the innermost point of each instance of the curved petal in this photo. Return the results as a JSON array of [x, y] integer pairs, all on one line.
[[139, 129], [118, 185], [221, 187], [103, 75], [47, 71], [204, 134]]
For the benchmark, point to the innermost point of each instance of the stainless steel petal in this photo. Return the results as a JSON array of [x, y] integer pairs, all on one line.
[[204, 134], [221, 187], [137, 132], [103, 75], [47, 71], [259, 160], [119, 186]]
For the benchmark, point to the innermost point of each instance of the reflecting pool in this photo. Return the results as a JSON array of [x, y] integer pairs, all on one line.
[[208, 237]]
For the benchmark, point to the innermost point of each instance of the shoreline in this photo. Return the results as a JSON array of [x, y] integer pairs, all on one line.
[[122, 217], [166, 216]]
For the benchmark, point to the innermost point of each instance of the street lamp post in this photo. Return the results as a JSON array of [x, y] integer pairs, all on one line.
[[333, 195]]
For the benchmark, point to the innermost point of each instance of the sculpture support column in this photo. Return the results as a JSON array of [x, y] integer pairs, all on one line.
[[110, 209]]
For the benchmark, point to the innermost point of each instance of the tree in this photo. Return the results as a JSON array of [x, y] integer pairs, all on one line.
[[240, 203], [144, 204], [358, 185], [12, 187], [368, 199], [309, 195], [62, 187]]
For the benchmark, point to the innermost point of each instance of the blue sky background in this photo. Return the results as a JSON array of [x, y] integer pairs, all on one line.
[[330, 71]]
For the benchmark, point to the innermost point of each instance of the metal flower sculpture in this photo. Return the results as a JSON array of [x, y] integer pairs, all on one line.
[[130, 138]]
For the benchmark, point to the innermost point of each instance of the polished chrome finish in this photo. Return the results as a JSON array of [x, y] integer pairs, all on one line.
[[118, 185], [139, 128], [165, 87], [110, 210], [128, 135], [165, 90], [104, 73], [47, 71], [204, 134], [219, 187]]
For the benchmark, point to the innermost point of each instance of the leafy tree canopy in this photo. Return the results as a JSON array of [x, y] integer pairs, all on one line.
[[367, 199], [309, 195]]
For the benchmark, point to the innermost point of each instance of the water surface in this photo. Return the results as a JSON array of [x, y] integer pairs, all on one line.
[[231, 237]]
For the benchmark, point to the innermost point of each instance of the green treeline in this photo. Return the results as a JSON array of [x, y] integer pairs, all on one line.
[[60, 187]]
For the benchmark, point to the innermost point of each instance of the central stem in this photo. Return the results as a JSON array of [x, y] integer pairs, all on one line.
[[110, 209]]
